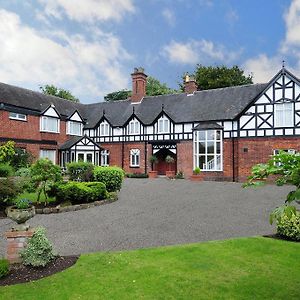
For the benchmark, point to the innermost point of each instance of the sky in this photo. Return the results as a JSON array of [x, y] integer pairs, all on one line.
[[91, 47]]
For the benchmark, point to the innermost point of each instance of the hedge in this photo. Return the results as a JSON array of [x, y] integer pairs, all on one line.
[[80, 171], [112, 177], [6, 170]]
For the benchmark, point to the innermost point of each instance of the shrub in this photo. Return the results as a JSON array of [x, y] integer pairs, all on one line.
[[22, 203], [21, 159], [6, 170], [289, 226], [137, 175], [179, 175], [80, 171], [4, 267], [81, 192], [197, 171], [8, 191], [23, 172], [112, 177], [39, 251]]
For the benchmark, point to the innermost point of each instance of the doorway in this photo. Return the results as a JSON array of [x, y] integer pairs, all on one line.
[[161, 165]]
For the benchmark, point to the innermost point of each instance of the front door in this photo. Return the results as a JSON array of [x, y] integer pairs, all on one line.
[[161, 165], [85, 156]]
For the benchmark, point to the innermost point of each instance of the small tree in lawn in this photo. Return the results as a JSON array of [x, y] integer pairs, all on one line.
[[286, 167], [44, 172]]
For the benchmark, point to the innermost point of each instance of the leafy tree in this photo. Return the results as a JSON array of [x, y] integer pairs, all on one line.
[[58, 92], [7, 151], [153, 88], [286, 167], [211, 77], [43, 172]]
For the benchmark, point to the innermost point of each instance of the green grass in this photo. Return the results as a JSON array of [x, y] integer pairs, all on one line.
[[246, 268], [33, 197]]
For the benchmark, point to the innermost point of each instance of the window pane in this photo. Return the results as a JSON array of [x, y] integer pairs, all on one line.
[[201, 162], [210, 147], [80, 157], [218, 145], [201, 135], [210, 135], [201, 147]]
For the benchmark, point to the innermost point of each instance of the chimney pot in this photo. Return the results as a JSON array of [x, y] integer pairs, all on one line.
[[190, 84]]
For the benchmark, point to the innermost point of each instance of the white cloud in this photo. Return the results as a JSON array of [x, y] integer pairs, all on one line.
[[29, 57], [169, 16], [199, 51], [292, 21], [231, 16], [88, 11]]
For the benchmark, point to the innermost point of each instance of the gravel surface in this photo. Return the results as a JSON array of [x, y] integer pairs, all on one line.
[[161, 212]]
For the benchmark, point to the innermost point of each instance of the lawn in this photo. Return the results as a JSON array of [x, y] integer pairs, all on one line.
[[33, 197], [245, 268]]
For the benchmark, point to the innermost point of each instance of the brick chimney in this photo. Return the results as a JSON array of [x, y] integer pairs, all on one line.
[[139, 81], [190, 85]]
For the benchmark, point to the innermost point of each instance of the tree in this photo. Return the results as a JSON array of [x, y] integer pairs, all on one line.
[[220, 76], [153, 88], [58, 92], [7, 151]]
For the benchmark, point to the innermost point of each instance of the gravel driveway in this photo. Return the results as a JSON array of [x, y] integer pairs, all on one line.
[[161, 212]]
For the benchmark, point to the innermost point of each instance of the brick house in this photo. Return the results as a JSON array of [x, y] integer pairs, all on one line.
[[223, 131]]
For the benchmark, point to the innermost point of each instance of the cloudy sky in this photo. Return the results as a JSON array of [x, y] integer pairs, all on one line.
[[91, 46]]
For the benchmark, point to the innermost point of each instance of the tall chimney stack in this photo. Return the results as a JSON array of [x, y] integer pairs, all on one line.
[[190, 85], [139, 81]]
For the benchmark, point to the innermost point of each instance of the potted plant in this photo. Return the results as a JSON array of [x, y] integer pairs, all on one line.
[[170, 160], [20, 213], [197, 175], [153, 160]]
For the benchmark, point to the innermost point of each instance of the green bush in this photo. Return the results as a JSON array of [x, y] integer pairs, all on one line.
[[8, 191], [21, 159], [6, 170], [112, 177], [23, 172], [289, 226], [80, 171], [179, 175], [81, 192], [4, 267], [39, 251], [137, 175], [197, 171]]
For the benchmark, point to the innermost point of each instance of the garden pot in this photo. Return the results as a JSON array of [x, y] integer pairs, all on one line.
[[20, 216], [170, 174], [197, 177], [152, 174]]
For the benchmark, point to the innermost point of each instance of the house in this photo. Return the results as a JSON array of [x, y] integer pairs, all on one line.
[[223, 131]]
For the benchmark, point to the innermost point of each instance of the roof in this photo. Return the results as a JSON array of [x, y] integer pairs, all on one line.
[[74, 140], [207, 125], [208, 105]]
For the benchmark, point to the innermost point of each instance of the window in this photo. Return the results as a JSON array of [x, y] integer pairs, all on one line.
[[104, 129], [276, 151], [105, 158], [134, 127], [208, 150], [163, 125], [16, 116], [49, 124], [134, 158], [74, 128], [50, 154], [284, 115]]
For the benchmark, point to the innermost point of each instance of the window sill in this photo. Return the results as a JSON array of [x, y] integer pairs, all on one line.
[[134, 167], [16, 119], [49, 131]]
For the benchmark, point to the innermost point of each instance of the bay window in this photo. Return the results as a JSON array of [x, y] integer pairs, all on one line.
[[284, 114], [208, 150]]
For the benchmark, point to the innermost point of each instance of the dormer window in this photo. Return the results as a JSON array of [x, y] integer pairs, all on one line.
[[284, 114], [104, 129], [134, 127], [74, 128], [49, 124], [163, 125]]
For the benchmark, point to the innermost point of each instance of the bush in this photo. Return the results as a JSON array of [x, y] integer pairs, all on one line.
[[8, 191], [112, 177], [39, 251], [289, 226], [4, 267], [21, 159], [23, 172], [179, 175], [80, 171], [197, 171], [6, 170], [137, 175], [81, 192]]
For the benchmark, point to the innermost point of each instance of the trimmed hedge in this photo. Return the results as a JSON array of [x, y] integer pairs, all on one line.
[[137, 175], [112, 177], [80, 171], [4, 267], [81, 192], [289, 227], [6, 170]]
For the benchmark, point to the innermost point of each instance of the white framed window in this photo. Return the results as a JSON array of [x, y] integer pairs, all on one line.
[[17, 116], [277, 151], [163, 125], [135, 157], [284, 114], [74, 128], [134, 127], [104, 129], [104, 158], [49, 124], [208, 150], [50, 154]]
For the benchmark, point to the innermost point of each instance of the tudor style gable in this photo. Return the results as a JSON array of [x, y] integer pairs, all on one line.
[[50, 120], [276, 111], [75, 124]]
